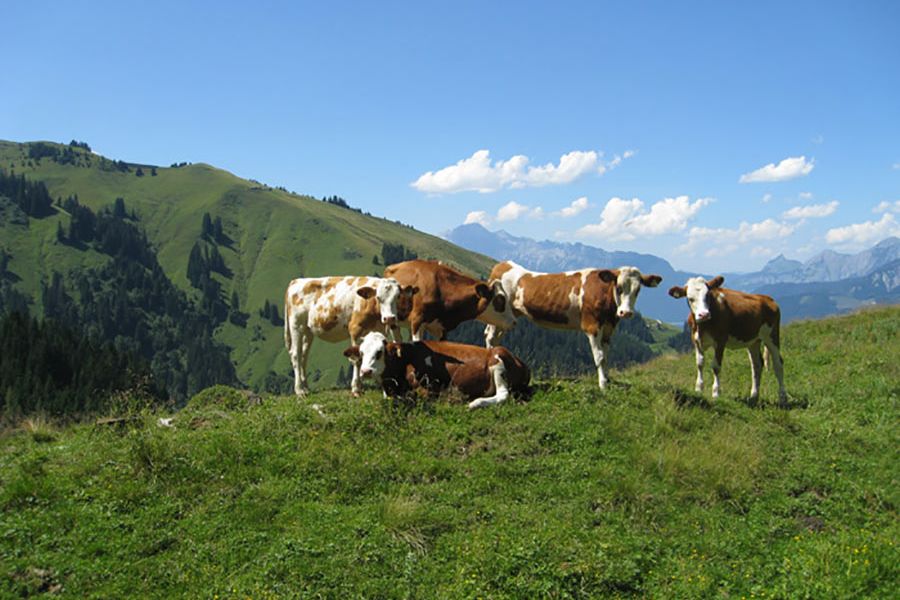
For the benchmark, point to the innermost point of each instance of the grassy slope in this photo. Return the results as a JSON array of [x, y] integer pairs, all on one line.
[[643, 491], [277, 235]]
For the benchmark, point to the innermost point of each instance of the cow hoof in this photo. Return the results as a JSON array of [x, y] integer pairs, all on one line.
[[475, 404]]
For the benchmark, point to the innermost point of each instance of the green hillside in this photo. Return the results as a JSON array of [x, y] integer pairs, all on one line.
[[276, 236], [644, 491]]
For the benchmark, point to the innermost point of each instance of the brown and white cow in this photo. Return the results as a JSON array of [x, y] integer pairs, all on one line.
[[592, 300], [337, 308], [485, 376], [724, 318], [447, 298]]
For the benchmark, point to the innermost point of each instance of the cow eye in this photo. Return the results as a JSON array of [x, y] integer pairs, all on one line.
[[378, 355], [619, 289]]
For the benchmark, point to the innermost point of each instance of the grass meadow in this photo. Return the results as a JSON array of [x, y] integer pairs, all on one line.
[[646, 490]]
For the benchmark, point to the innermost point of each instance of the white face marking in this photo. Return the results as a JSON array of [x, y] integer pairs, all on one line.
[[697, 292], [504, 319], [388, 295], [628, 286], [371, 354]]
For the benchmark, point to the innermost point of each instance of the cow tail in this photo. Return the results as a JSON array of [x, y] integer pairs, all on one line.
[[287, 326]]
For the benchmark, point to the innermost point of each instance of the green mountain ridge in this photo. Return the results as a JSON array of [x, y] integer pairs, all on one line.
[[275, 236]]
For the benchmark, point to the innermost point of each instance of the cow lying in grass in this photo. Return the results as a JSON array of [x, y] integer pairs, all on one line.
[[485, 376], [337, 308], [723, 318]]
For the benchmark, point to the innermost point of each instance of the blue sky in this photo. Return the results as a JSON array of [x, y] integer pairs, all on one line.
[[640, 118]]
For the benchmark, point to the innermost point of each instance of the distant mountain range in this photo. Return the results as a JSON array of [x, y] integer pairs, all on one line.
[[828, 283]]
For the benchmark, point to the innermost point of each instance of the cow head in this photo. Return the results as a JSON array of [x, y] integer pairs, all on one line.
[[628, 282], [498, 310], [372, 354], [391, 298], [697, 292]]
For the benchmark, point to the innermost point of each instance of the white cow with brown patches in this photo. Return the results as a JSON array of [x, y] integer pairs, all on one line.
[[337, 308], [721, 318], [592, 300]]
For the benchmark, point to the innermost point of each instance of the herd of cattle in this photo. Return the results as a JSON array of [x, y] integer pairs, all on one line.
[[430, 296]]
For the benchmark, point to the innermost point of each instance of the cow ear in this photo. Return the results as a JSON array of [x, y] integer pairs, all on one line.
[[678, 291], [607, 276], [650, 280], [410, 290], [352, 352], [366, 292], [715, 282], [395, 349], [484, 291]]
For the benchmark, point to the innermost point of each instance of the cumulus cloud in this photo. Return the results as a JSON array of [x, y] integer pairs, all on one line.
[[811, 211], [478, 216], [885, 206], [766, 198], [863, 234], [616, 161], [719, 241], [579, 205], [479, 173], [789, 168], [626, 219], [508, 212]]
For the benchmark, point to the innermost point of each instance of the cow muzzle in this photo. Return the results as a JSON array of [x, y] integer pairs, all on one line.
[[389, 321], [365, 372], [703, 316], [625, 314]]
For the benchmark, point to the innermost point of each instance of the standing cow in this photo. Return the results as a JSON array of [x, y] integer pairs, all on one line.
[[592, 300], [447, 298], [337, 308], [485, 375], [727, 318]]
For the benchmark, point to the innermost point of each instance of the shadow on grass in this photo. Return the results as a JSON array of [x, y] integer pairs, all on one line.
[[685, 399], [792, 403]]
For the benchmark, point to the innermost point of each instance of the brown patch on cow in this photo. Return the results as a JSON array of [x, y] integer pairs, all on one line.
[[445, 295], [499, 269], [547, 298], [366, 317], [328, 320], [315, 288], [598, 307], [739, 315]]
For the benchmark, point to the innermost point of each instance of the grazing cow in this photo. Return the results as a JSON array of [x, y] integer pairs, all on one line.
[[335, 308], [727, 318], [447, 297], [485, 375], [592, 300]]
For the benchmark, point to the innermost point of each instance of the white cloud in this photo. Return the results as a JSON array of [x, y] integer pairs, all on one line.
[[766, 198], [511, 211], [720, 241], [789, 168], [478, 216], [811, 211], [579, 205], [626, 219], [886, 206], [805, 195], [479, 174], [616, 161], [862, 234]]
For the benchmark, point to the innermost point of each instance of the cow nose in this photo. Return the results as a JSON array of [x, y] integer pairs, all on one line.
[[389, 320], [703, 315], [365, 372], [625, 314]]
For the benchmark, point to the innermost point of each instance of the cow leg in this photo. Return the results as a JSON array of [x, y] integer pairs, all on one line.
[[755, 369], [301, 340], [778, 366], [716, 367], [416, 330], [698, 351], [354, 381], [599, 348], [501, 393], [492, 335]]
